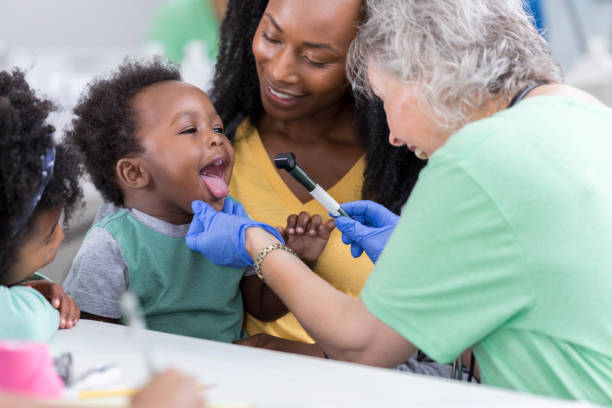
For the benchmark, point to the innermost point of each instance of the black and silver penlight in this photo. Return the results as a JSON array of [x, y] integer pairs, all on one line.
[[287, 161]]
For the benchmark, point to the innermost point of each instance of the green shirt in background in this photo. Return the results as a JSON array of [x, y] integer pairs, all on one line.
[[177, 22], [506, 245]]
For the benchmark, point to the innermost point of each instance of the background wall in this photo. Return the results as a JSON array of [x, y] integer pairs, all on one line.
[[77, 23], [594, 15], [123, 23]]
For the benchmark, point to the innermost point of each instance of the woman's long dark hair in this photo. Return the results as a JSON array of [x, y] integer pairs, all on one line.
[[390, 172]]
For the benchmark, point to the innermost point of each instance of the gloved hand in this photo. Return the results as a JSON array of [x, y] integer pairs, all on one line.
[[368, 229], [220, 235], [233, 208]]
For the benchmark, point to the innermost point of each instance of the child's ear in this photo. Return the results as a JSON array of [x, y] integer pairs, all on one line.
[[132, 173]]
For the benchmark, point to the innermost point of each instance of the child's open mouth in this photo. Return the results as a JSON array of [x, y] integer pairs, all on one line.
[[212, 177]]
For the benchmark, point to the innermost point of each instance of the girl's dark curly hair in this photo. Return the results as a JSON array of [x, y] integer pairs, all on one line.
[[104, 129], [390, 172], [24, 138]]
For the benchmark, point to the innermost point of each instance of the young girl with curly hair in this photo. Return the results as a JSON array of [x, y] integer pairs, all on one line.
[[39, 183]]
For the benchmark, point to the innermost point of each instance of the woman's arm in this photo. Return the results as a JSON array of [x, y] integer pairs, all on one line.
[[342, 326], [260, 301]]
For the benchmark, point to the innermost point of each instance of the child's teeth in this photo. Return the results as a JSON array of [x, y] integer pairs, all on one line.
[[218, 162]]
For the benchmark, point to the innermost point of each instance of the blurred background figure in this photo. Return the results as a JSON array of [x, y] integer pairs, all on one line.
[[187, 33], [178, 22], [63, 44], [591, 70]]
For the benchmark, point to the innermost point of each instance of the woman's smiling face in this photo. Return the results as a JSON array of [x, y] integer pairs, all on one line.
[[300, 52]]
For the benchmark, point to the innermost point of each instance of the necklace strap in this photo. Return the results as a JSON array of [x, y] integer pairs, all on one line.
[[523, 92]]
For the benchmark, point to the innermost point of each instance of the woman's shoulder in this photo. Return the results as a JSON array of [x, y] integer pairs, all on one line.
[[563, 90], [548, 109]]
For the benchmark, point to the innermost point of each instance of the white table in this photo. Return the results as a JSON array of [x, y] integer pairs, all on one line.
[[266, 378]]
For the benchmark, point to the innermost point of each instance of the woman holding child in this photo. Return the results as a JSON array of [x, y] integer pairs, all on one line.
[[280, 86], [504, 244]]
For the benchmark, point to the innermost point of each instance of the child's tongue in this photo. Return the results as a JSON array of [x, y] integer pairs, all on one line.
[[216, 185]]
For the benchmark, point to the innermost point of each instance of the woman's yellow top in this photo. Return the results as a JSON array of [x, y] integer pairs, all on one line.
[[258, 186]]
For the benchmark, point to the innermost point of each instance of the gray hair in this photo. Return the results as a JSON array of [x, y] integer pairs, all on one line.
[[461, 54]]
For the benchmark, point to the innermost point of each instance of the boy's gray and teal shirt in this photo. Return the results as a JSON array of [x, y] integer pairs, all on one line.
[[180, 291]]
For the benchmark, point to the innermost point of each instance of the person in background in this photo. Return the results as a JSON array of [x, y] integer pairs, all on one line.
[[177, 22], [39, 183]]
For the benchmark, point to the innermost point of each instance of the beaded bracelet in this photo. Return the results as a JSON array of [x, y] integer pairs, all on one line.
[[265, 251]]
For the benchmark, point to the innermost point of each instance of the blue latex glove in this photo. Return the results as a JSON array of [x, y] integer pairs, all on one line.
[[233, 207], [368, 229], [220, 235]]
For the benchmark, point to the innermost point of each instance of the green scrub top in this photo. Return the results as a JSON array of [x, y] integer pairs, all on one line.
[[177, 22], [505, 245]]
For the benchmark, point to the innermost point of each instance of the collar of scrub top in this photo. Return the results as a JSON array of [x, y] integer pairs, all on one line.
[[48, 163], [523, 92]]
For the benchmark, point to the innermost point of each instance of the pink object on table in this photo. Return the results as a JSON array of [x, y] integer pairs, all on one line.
[[27, 368]]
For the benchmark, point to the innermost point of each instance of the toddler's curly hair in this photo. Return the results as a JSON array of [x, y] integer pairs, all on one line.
[[104, 129]]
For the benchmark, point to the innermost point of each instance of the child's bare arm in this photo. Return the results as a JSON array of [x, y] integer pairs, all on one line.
[[260, 301], [54, 293], [307, 235]]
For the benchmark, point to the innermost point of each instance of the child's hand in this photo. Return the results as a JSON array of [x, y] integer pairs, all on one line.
[[53, 292], [266, 341], [307, 235]]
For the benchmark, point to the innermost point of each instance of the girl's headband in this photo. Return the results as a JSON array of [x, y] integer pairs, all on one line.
[[48, 163]]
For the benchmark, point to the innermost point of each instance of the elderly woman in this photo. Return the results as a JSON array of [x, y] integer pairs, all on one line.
[[504, 244]]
